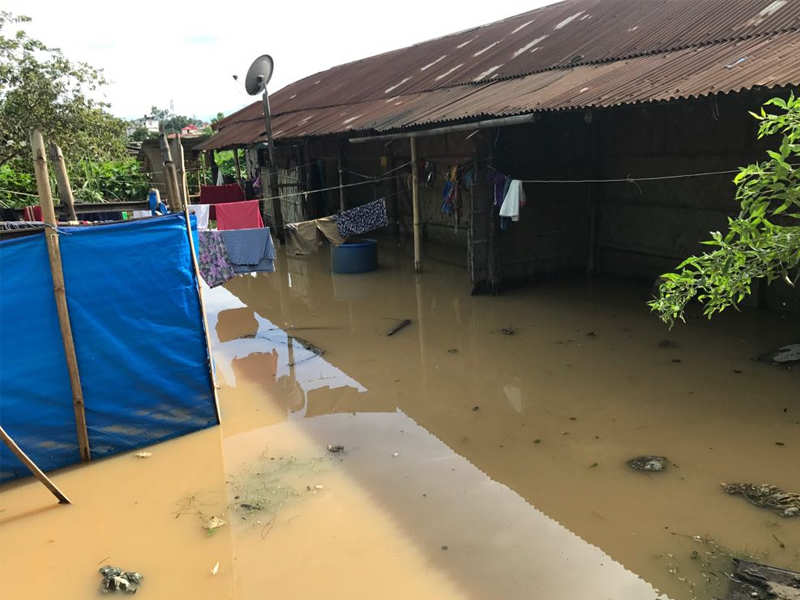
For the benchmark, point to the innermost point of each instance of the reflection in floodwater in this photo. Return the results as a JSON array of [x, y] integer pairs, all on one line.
[[474, 464], [586, 380]]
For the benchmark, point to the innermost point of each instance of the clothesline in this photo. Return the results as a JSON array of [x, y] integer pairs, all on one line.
[[333, 187], [632, 179]]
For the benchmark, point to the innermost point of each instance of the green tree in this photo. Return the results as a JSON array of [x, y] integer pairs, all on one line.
[[762, 242], [40, 87], [172, 122], [141, 134]]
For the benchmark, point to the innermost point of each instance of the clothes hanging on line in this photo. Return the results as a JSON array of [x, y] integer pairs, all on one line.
[[305, 237], [513, 201], [212, 258], [201, 212], [220, 194], [250, 250], [32, 213], [500, 185], [450, 192], [239, 215], [363, 219]]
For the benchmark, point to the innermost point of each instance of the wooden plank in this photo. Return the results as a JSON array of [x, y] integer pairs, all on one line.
[[35, 470], [59, 289], [753, 580], [62, 178]]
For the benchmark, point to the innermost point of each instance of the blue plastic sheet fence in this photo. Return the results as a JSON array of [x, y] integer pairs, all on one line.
[[138, 332]]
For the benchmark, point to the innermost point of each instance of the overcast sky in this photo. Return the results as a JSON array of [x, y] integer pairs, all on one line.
[[157, 52]]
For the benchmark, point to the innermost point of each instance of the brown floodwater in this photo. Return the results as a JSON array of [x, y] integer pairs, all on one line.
[[475, 464]]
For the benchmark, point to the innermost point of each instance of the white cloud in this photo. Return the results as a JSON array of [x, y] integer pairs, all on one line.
[[186, 52]]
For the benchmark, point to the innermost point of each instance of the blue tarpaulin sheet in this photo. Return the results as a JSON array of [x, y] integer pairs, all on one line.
[[138, 332]]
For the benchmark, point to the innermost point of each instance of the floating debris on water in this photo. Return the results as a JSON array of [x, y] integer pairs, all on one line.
[[215, 568], [785, 355], [399, 326], [117, 580], [650, 464], [771, 497], [143, 454], [213, 523], [335, 449], [508, 331]]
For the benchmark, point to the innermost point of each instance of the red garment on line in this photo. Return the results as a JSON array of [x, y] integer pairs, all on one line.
[[32, 213], [220, 194], [239, 215]]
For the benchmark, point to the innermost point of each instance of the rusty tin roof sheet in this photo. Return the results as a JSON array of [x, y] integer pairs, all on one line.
[[576, 53]]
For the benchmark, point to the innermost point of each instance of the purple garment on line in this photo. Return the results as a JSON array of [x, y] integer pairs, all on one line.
[[499, 187], [213, 260]]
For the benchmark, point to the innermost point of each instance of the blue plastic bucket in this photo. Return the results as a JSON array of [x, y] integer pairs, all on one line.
[[356, 257]]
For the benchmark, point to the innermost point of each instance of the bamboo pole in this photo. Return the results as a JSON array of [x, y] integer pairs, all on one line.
[[62, 178], [238, 166], [59, 289], [36, 471], [202, 311], [180, 168], [340, 166], [415, 206], [170, 175]]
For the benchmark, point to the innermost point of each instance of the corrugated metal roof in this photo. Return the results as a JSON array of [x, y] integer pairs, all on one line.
[[577, 53]]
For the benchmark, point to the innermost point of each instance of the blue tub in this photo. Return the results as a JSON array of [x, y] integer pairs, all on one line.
[[356, 257]]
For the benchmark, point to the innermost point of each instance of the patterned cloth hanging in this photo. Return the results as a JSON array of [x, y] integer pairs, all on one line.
[[213, 260], [363, 219]]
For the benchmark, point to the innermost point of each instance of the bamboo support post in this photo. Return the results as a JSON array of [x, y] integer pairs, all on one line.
[[170, 175], [59, 289], [238, 166], [35, 470], [415, 206], [277, 211], [340, 166], [180, 169], [62, 178], [196, 268], [491, 251]]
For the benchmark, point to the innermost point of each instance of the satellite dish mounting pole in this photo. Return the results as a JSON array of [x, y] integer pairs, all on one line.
[[273, 172]]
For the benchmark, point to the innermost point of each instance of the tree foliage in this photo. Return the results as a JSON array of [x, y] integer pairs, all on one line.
[[172, 122], [40, 87], [762, 242], [113, 180]]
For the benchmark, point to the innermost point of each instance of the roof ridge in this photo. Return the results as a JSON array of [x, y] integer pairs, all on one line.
[[556, 67]]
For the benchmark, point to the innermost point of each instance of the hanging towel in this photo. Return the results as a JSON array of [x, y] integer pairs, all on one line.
[[213, 260], [239, 215], [362, 219], [250, 249], [201, 212], [513, 201]]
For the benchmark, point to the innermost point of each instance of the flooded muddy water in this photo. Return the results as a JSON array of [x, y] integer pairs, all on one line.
[[475, 463]]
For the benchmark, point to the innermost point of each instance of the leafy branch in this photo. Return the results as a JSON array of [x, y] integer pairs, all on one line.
[[762, 242]]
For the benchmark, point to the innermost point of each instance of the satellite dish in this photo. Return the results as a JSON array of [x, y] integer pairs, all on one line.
[[258, 75]]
